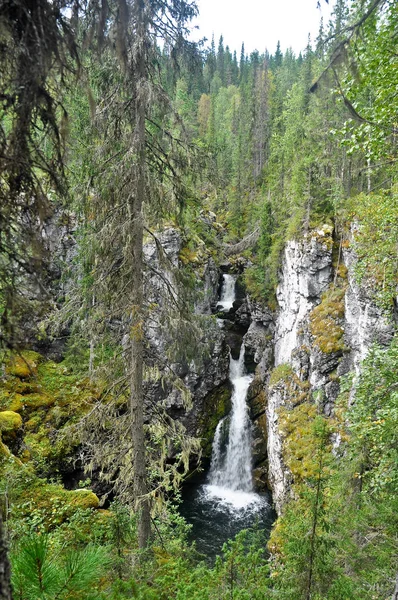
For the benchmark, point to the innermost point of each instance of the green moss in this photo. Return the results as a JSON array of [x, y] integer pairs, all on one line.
[[217, 405], [342, 271], [24, 365], [281, 373], [15, 402], [297, 427], [4, 396], [33, 423], [49, 505], [83, 499], [325, 321], [32, 402], [4, 451], [10, 421]]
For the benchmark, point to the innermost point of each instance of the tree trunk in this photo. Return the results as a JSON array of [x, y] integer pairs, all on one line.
[[395, 592], [137, 342], [5, 572]]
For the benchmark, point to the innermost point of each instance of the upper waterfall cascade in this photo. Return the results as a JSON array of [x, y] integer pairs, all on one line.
[[228, 296]]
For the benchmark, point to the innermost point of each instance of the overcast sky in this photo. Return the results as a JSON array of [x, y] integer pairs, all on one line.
[[261, 23]]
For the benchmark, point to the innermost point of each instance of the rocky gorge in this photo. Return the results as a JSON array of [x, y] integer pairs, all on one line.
[[322, 327], [321, 330]]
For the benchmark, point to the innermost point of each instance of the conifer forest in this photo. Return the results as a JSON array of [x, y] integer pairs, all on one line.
[[198, 306]]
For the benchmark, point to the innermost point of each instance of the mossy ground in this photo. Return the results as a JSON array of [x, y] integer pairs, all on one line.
[[49, 398], [40, 401]]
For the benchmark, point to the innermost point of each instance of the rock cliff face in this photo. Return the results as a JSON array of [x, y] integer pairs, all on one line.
[[204, 371], [306, 274], [365, 322], [324, 326]]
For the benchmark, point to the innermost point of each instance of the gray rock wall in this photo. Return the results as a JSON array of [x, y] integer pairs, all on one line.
[[324, 326], [201, 365]]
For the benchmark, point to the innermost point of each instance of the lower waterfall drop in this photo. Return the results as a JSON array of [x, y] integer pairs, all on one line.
[[223, 502], [230, 477]]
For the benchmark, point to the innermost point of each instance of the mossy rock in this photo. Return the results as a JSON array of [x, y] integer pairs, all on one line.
[[11, 430], [16, 402], [257, 398], [84, 499], [260, 478], [301, 443], [47, 397], [50, 505], [281, 373], [25, 456], [10, 421], [34, 401], [261, 422], [24, 387], [324, 235], [33, 423], [217, 405], [5, 396], [24, 365], [326, 319]]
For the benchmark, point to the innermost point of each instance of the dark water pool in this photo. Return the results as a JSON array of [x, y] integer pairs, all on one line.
[[217, 514]]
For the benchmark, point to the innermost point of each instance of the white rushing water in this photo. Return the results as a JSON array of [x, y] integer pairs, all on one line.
[[230, 477], [227, 297], [227, 503]]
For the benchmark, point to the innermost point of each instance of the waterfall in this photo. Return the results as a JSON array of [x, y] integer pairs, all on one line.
[[226, 502], [230, 477], [231, 466], [227, 292]]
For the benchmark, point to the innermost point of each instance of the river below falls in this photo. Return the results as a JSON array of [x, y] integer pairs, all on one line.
[[217, 515]]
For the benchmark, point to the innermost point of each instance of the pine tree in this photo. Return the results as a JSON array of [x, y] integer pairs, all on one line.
[[143, 163], [5, 574], [221, 60]]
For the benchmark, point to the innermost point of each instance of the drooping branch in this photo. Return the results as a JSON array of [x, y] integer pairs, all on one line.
[[247, 242], [339, 51]]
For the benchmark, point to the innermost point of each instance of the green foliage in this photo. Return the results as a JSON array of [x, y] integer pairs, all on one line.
[[303, 549], [281, 373], [326, 321], [371, 86], [40, 573], [373, 420], [241, 573], [375, 237]]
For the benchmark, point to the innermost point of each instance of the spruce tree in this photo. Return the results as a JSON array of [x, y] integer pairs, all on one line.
[[138, 183]]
